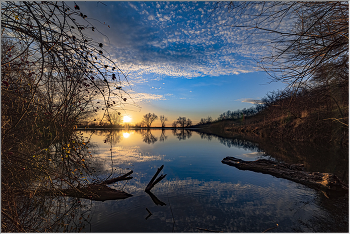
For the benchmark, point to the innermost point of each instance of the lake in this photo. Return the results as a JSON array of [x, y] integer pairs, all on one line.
[[199, 191]]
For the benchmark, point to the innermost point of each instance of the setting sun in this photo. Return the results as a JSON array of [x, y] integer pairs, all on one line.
[[126, 119], [126, 134]]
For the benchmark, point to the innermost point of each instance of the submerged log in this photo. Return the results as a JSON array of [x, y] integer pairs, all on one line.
[[96, 192], [294, 172]]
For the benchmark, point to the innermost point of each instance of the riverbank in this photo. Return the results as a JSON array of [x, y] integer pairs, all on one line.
[[319, 115]]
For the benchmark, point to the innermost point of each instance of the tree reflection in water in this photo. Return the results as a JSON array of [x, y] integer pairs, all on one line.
[[315, 157], [148, 136], [62, 164], [206, 136], [232, 142], [40, 189], [182, 134], [163, 137]]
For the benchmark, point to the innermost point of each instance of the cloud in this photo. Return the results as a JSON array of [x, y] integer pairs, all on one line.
[[182, 39], [144, 97], [250, 100]]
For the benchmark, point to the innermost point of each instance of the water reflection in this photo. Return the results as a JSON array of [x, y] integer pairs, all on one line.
[[148, 136], [182, 134], [163, 137], [315, 157], [222, 206], [200, 192]]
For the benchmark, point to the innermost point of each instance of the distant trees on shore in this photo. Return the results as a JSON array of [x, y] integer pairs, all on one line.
[[206, 120], [183, 122], [148, 119], [163, 119]]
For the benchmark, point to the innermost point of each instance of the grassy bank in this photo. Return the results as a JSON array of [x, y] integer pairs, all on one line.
[[319, 115]]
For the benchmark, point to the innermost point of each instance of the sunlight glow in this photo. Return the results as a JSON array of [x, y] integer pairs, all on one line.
[[126, 119], [126, 135]]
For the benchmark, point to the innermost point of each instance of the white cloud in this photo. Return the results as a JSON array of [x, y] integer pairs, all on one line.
[[144, 97], [159, 42], [250, 100]]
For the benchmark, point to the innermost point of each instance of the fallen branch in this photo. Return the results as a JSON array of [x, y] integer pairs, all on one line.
[[155, 181], [294, 172], [96, 192], [123, 177]]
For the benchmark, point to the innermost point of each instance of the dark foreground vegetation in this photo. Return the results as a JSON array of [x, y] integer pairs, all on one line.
[[50, 74]]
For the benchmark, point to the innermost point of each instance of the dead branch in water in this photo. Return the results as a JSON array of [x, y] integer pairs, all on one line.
[[119, 178], [155, 181], [96, 192], [294, 172]]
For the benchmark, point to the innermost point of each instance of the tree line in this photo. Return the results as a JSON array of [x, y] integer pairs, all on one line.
[[149, 118]]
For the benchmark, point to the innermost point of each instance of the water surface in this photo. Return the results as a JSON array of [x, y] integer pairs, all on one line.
[[199, 191]]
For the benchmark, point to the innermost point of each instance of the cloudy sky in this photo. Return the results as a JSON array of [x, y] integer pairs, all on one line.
[[181, 58]]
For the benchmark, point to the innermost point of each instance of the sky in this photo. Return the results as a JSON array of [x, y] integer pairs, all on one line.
[[181, 58]]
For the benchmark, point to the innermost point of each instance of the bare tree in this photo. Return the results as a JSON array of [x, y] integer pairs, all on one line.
[[188, 123], [181, 121], [51, 71], [209, 119], [174, 124], [149, 118], [163, 119], [316, 42]]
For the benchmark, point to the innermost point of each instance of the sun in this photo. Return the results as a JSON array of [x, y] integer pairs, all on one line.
[[126, 119], [126, 134]]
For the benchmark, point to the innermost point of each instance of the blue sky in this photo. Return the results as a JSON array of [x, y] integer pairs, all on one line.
[[182, 58]]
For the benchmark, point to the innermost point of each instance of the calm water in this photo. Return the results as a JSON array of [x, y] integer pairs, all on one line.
[[199, 191]]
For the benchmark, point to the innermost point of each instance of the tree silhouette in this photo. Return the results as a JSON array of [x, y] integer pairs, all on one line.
[[149, 118], [163, 119], [188, 123], [182, 121], [174, 124], [316, 43], [51, 73]]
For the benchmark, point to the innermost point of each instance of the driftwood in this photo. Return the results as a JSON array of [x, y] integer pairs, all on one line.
[[155, 181], [152, 183], [294, 172], [96, 192], [101, 192]]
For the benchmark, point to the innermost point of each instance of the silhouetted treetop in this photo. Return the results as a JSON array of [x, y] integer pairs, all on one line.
[[307, 38]]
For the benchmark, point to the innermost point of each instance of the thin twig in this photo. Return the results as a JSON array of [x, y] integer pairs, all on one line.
[[269, 229]]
